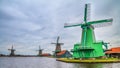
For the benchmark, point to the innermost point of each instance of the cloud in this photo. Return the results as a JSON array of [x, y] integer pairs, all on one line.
[[30, 23]]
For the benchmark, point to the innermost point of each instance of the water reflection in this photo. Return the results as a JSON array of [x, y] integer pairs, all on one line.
[[89, 65], [58, 64], [42, 62]]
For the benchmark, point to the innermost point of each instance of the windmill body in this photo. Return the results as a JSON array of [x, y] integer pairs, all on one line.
[[58, 48], [89, 47], [40, 52]]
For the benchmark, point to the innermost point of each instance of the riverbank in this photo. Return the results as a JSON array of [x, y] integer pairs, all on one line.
[[108, 60]]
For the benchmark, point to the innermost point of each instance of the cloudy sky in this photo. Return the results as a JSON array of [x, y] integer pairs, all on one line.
[[26, 24]]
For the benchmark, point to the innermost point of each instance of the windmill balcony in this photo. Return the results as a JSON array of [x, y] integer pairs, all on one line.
[[82, 48]]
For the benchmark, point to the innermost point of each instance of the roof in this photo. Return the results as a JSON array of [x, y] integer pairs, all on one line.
[[62, 52], [116, 49], [113, 50], [45, 54], [109, 52]]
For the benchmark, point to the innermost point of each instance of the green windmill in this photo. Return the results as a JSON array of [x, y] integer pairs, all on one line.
[[89, 47]]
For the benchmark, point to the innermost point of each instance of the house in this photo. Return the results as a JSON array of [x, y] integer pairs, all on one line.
[[113, 52], [45, 55], [63, 54]]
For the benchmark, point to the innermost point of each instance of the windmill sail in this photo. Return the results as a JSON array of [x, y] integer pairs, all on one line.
[[72, 24], [57, 39], [87, 12], [101, 23]]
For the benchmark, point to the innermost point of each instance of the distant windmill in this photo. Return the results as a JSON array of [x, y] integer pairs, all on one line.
[[58, 45], [40, 51], [12, 50]]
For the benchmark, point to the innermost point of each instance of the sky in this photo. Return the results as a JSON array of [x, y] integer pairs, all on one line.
[[28, 24]]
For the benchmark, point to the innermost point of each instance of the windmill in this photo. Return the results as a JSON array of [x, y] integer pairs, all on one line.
[[12, 50], [40, 51], [58, 46], [89, 47]]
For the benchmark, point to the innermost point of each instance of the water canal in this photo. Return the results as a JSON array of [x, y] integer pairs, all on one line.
[[44, 62]]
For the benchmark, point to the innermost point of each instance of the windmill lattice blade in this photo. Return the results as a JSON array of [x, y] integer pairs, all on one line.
[[12, 47], [39, 47], [53, 43], [87, 12], [58, 39], [71, 25], [61, 43], [100, 21], [102, 24], [9, 49]]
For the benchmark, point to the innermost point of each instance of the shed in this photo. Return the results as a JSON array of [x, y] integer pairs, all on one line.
[[63, 54]]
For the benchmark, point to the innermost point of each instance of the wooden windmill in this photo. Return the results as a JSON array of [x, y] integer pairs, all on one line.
[[40, 51], [58, 46], [12, 51]]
